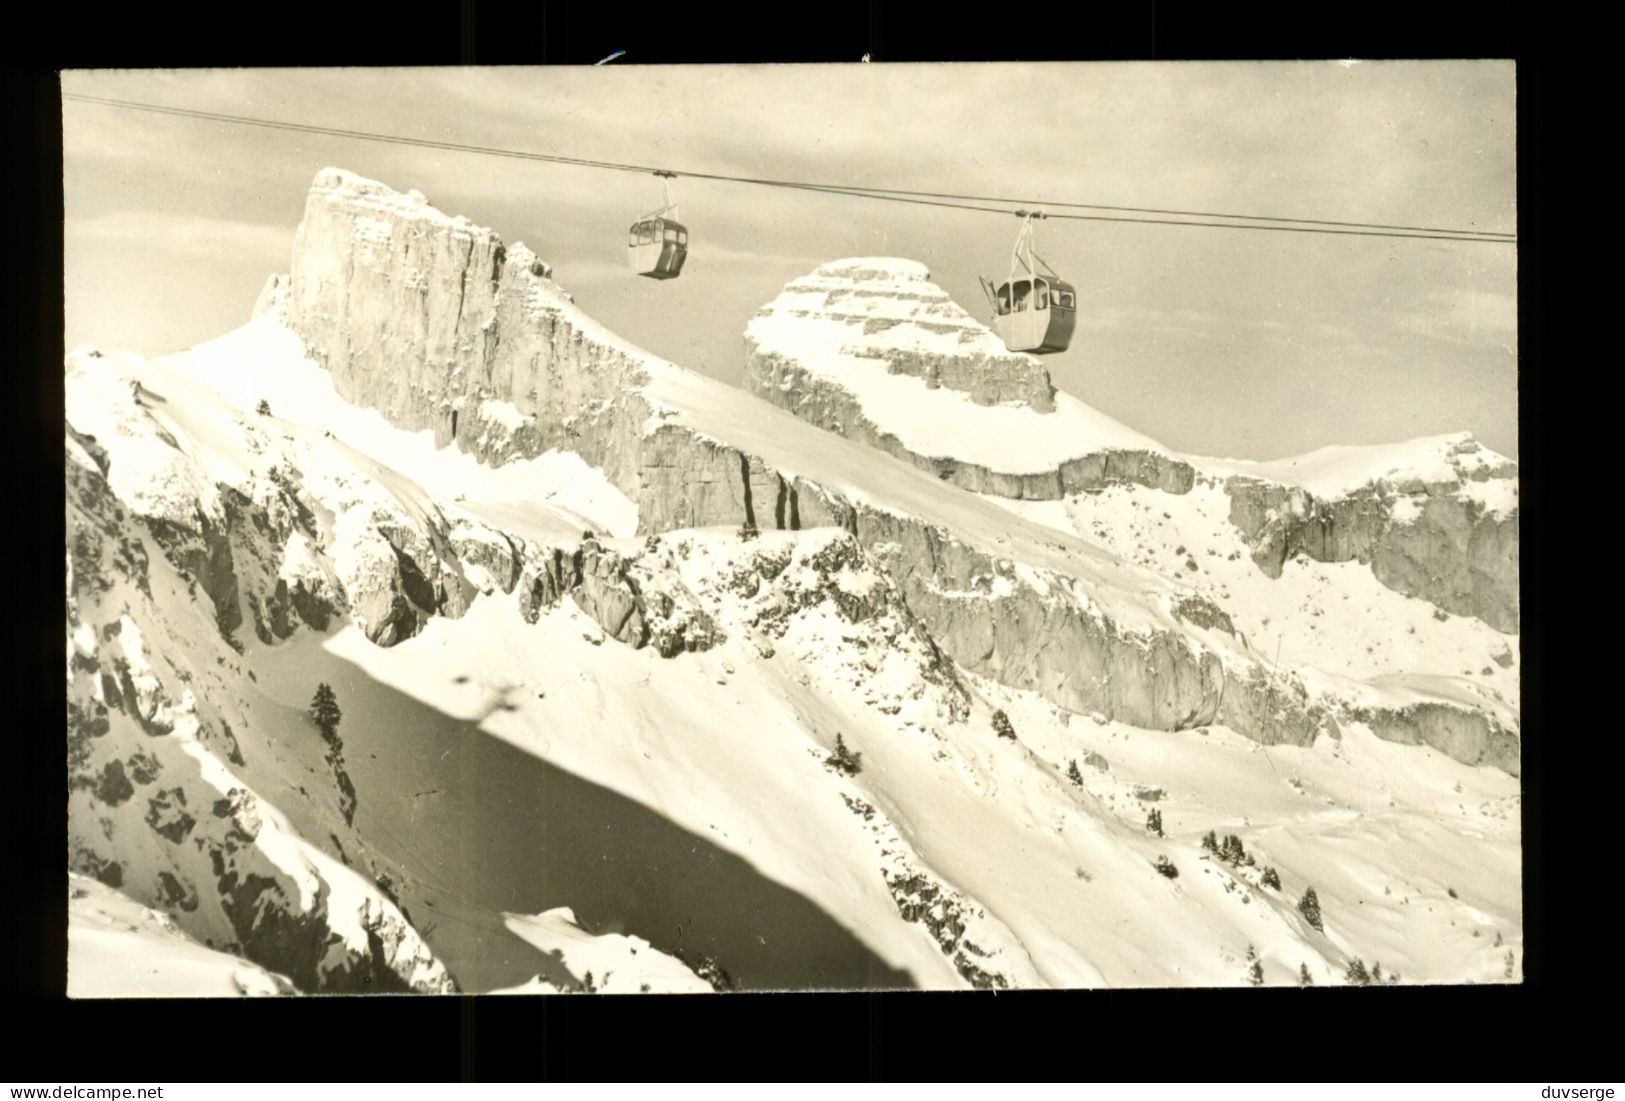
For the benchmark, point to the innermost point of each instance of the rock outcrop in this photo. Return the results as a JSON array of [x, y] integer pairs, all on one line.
[[1444, 530], [295, 535], [157, 804], [1028, 629], [635, 600], [1467, 734], [432, 321]]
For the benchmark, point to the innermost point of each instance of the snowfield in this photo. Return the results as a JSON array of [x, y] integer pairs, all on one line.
[[711, 758], [1052, 879], [118, 948], [608, 964]]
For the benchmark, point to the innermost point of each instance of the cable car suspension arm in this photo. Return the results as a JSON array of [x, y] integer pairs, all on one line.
[[670, 204]]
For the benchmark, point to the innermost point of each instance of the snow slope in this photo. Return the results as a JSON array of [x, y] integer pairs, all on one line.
[[1334, 617], [608, 964], [553, 494], [995, 822], [118, 948], [954, 857], [536, 783]]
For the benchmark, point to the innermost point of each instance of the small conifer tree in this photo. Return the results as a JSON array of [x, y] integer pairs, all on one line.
[[1309, 907], [1002, 727], [1153, 822], [1271, 879], [1356, 973], [325, 713], [1255, 973], [1303, 975], [1073, 774], [1376, 971], [263, 408], [1166, 867], [1210, 842]]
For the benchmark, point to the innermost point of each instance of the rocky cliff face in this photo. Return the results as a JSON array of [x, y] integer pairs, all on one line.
[[430, 320], [1445, 531], [188, 543], [1028, 629], [1462, 732], [159, 806], [434, 322]]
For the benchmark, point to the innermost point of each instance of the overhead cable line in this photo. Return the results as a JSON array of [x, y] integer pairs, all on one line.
[[920, 198], [1497, 234]]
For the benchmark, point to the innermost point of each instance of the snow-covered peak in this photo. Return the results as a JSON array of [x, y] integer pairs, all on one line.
[[874, 305], [875, 269], [343, 185], [871, 348]]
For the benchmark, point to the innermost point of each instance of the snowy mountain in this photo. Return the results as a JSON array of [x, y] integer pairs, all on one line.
[[873, 350], [872, 676]]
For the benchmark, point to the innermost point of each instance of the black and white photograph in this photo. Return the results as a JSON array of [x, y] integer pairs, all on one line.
[[691, 529]]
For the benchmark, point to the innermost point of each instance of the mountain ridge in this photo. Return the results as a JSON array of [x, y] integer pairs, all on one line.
[[633, 582], [692, 452]]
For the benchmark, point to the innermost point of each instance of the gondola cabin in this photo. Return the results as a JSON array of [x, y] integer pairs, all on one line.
[[657, 247], [1035, 314]]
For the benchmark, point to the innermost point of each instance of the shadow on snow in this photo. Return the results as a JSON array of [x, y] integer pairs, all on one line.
[[480, 827]]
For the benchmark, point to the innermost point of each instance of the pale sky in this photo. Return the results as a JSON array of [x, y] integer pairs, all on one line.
[[1217, 342]]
